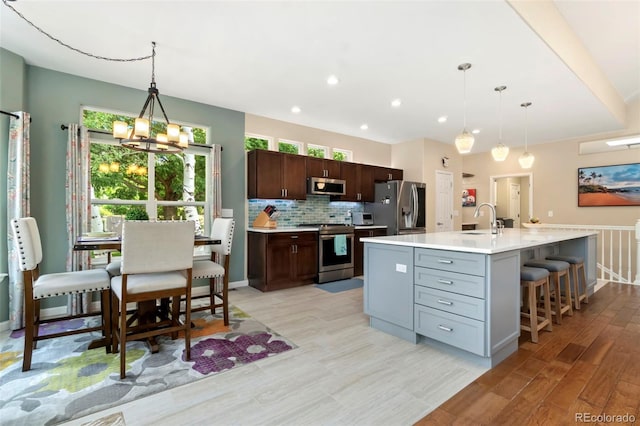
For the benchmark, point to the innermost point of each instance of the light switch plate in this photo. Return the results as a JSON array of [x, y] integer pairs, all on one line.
[[401, 268]]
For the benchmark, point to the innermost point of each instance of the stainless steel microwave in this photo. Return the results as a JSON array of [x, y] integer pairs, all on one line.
[[324, 186]]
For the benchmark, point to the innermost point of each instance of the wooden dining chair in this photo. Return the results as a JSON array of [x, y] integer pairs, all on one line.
[[41, 286], [157, 260], [215, 268]]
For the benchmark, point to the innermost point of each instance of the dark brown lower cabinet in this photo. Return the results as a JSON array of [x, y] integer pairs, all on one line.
[[281, 260], [358, 257]]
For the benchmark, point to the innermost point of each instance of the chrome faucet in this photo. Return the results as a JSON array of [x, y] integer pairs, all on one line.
[[494, 222]]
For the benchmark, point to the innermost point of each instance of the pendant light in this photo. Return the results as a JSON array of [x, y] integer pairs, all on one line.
[[500, 151], [140, 138], [526, 159], [464, 141]]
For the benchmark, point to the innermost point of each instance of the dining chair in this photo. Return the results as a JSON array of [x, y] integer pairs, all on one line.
[[157, 259], [41, 286], [222, 230]]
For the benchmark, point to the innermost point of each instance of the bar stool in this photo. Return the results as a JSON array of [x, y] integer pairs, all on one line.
[[577, 263], [557, 269], [533, 279]]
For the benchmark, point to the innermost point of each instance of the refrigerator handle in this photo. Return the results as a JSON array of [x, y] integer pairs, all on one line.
[[414, 196]]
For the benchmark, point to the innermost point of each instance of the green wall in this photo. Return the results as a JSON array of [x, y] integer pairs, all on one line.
[[12, 98], [54, 98]]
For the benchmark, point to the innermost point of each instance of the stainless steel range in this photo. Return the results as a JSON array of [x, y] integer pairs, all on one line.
[[335, 252]]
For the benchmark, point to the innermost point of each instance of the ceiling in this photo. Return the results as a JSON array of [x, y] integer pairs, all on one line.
[[264, 57]]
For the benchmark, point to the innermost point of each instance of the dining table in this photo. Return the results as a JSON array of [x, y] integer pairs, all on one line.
[[147, 311]]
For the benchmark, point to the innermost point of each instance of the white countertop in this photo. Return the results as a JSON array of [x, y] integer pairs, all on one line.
[[303, 228], [480, 241]]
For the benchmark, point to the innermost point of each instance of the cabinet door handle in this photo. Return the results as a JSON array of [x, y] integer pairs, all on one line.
[[294, 237], [296, 248], [443, 328], [445, 282], [447, 261], [445, 302], [390, 177]]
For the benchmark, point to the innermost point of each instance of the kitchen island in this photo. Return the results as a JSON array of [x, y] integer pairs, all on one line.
[[460, 291]]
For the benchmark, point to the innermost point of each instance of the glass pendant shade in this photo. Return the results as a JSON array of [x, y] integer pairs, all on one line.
[[141, 128], [526, 160], [464, 142], [120, 130], [173, 132], [500, 152]]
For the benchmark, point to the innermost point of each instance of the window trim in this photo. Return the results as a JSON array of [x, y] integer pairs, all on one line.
[[323, 148], [271, 146], [348, 153], [300, 145]]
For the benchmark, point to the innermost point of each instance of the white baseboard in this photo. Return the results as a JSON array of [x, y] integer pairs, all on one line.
[[62, 310]]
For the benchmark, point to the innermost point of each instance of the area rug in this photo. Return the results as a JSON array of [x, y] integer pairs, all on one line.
[[67, 381], [342, 285]]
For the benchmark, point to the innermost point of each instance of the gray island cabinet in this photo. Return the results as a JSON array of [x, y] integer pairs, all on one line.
[[460, 291]]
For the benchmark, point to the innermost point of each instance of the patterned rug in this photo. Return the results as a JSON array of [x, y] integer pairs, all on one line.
[[67, 381]]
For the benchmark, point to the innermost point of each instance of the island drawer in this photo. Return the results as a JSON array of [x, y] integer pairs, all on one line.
[[471, 285], [454, 261], [461, 332], [450, 302]]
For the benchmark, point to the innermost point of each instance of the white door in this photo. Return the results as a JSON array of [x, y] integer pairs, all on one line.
[[444, 201], [514, 204]]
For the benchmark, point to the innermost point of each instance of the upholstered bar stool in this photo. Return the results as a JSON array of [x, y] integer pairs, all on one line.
[[576, 264], [557, 269], [532, 279]]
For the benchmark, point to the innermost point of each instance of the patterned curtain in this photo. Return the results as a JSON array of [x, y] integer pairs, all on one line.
[[18, 205], [78, 208]]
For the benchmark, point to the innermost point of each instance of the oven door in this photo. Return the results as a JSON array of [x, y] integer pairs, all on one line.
[[333, 254]]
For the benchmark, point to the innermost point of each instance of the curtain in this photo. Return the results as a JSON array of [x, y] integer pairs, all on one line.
[[78, 208], [215, 166], [18, 196]]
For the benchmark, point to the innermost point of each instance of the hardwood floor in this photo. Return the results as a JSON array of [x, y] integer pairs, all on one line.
[[590, 364]]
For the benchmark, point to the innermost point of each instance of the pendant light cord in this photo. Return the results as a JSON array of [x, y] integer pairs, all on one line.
[[60, 42], [500, 114], [464, 99]]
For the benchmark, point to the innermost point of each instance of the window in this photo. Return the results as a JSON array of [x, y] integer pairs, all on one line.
[[130, 183], [289, 146], [318, 151], [252, 141], [342, 154]]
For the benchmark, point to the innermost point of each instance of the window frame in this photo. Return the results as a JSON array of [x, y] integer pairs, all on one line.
[[322, 148], [347, 153], [300, 145], [271, 146]]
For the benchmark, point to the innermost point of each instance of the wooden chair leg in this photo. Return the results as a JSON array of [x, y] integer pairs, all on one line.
[[187, 329], [115, 316], [105, 307], [30, 323], [547, 306], [175, 316], [584, 281], [225, 299], [212, 295], [36, 322], [557, 306], [533, 314], [573, 277], [123, 337], [567, 293]]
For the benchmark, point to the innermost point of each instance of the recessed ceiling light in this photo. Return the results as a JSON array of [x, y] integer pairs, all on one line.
[[332, 80], [295, 109], [442, 119], [396, 103], [365, 126], [475, 131]]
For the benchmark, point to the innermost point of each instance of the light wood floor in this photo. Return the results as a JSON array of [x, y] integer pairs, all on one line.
[[589, 364], [343, 372]]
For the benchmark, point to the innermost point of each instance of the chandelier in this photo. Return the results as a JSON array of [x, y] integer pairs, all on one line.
[[139, 137]]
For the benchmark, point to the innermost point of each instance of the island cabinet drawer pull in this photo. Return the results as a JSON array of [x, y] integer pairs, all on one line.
[[294, 236], [447, 261], [448, 282], [447, 329], [445, 302]]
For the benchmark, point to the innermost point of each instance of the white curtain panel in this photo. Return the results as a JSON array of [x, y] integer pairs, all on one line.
[[78, 208], [215, 166], [18, 196]]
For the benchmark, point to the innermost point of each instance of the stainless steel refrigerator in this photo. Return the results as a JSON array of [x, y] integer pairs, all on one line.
[[400, 205]]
